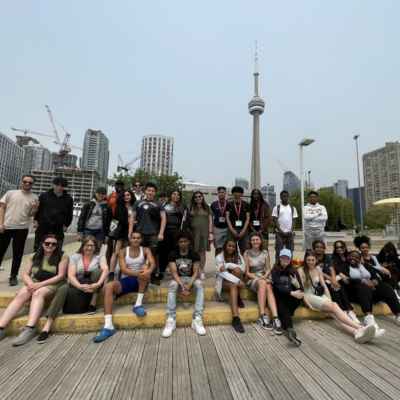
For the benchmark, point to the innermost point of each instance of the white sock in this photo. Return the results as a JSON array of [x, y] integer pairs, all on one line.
[[139, 299], [108, 322]]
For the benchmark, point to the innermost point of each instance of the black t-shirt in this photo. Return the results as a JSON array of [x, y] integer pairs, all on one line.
[[324, 263], [235, 209], [148, 216], [219, 218], [184, 264]]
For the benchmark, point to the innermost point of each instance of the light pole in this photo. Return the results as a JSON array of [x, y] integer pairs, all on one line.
[[309, 179], [303, 143], [268, 192], [359, 184]]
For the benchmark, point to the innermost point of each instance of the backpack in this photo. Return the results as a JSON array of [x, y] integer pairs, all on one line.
[[278, 208], [77, 302]]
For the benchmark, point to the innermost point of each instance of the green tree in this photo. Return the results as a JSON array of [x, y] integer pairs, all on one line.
[[378, 217], [335, 205], [165, 183]]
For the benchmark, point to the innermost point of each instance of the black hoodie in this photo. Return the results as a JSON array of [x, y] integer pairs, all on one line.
[[55, 211]]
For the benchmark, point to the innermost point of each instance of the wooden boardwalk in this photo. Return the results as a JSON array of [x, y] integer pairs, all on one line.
[[221, 365]]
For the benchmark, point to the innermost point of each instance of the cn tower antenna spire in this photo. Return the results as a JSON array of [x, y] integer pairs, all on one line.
[[256, 72]]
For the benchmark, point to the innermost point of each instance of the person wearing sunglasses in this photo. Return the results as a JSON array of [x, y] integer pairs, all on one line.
[[201, 227], [288, 291], [44, 274], [339, 254], [137, 187], [16, 209]]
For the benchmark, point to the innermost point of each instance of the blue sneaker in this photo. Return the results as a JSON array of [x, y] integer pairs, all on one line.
[[139, 311], [104, 334]]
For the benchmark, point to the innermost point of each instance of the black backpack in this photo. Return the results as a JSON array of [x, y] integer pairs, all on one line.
[[77, 302]]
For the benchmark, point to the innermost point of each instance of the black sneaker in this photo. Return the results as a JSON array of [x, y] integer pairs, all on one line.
[[43, 337], [237, 325], [292, 337], [160, 277], [154, 281], [91, 310], [240, 302], [277, 326], [13, 281], [264, 322]]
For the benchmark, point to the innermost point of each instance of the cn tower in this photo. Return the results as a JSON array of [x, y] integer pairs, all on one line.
[[256, 108]]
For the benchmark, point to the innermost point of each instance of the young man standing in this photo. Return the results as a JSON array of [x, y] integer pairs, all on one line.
[[137, 187], [136, 264], [285, 217], [221, 230], [315, 217], [55, 212], [163, 198], [184, 265], [16, 208], [111, 199], [151, 221], [238, 218]]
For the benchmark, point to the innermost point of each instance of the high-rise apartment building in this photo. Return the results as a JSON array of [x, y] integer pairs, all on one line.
[[82, 183], [11, 160], [290, 182], [242, 182], [36, 157], [269, 195], [95, 156], [157, 154], [354, 196], [340, 187], [382, 173], [69, 160]]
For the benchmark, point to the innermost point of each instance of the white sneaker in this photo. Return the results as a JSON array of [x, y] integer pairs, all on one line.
[[170, 326], [353, 317], [370, 320], [197, 325], [397, 295], [364, 334], [379, 333], [1, 268], [398, 320], [202, 276]]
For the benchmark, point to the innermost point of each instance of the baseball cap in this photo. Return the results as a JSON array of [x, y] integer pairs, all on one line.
[[285, 252]]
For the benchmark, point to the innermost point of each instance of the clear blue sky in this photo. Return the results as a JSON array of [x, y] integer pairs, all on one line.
[[328, 70]]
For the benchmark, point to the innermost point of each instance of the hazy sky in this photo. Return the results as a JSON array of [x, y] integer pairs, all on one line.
[[328, 70]]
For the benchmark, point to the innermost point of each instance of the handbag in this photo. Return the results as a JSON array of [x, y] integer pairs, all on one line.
[[43, 275], [113, 228], [319, 290], [77, 302]]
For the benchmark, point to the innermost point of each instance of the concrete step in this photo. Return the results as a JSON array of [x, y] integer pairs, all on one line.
[[215, 313]]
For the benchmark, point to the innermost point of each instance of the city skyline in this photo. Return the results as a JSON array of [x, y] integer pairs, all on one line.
[[328, 72]]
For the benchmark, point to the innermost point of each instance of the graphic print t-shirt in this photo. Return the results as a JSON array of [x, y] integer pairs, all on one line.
[[184, 264]]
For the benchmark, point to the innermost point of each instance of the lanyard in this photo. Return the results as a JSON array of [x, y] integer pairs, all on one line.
[[86, 265], [222, 210], [240, 207], [256, 212]]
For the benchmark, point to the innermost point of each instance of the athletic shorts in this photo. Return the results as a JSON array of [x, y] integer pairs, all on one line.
[[129, 284]]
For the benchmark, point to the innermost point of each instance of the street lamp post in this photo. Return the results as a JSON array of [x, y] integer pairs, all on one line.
[[359, 184], [303, 143]]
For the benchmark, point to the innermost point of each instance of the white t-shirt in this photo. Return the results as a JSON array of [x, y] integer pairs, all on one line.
[[76, 260], [285, 218], [18, 209]]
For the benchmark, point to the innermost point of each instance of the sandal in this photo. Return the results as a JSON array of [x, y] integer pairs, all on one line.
[[139, 311], [104, 334]]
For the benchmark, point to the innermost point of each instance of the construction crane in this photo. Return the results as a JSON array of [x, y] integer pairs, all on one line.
[[65, 147], [284, 169], [126, 167]]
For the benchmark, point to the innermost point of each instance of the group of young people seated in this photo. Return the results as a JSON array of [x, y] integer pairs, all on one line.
[[323, 283]]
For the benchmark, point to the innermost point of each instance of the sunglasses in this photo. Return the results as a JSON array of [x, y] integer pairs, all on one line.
[[198, 197], [53, 244], [285, 257], [138, 185], [338, 247], [89, 245], [28, 182]]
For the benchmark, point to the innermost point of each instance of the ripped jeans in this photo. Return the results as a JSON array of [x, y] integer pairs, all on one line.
[[198, 286]]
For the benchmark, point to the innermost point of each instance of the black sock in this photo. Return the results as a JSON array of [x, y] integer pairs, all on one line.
[[1, 329], [32, 327], [235, 318]]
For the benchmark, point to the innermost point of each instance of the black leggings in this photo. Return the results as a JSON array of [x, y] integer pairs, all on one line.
[[164, 248], [286, 305], [363, 295], [340, 297]]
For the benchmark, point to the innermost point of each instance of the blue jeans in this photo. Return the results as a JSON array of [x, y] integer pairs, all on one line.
[[97, 233], [198, 286]]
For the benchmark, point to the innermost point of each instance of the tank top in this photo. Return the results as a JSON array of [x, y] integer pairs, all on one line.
[[134, 264]]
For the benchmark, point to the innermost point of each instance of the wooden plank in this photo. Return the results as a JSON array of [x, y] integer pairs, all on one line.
[[109, 380], [128, 377], [336, 368], [145, 380], [82, 365], [237, 384], [198, 374], [361, 361], [163, 377], [181, 388], [61, 371], [22, 369], [216, 378], [290, 357]]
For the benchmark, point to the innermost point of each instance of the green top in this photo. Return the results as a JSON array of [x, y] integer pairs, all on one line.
[[50, 268]]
